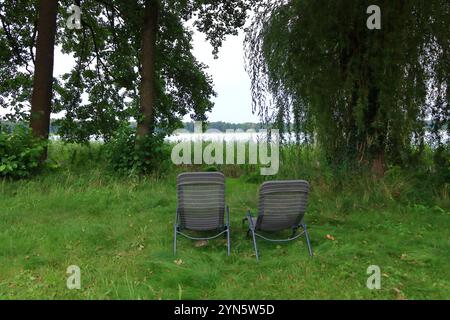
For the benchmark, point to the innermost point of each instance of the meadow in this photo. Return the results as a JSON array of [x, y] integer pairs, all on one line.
[[119, 229]]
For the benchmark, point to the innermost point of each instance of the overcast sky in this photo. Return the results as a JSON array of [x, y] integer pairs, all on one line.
[[231, 82]]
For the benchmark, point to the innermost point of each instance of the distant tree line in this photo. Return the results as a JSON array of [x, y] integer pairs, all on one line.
[[223, 126]]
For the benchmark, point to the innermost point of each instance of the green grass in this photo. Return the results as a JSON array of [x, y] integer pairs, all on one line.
[[119, 231]]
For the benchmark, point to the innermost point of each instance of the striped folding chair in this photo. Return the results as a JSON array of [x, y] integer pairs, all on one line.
[[282, 206], [201, 206]]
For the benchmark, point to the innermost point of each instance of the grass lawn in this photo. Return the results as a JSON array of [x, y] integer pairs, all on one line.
[[119, 232]]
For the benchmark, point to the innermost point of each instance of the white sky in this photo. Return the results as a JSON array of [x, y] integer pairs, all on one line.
[[231, 82]]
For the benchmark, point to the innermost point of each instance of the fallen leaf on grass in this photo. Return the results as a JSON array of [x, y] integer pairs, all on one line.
[[201, 243], [329, 237], [178, 262]]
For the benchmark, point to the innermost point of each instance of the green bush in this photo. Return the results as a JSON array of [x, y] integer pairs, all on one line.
[[126, 156], [20, 153]]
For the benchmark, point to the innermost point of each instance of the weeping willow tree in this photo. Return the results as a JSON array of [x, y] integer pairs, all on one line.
[[364, 95]]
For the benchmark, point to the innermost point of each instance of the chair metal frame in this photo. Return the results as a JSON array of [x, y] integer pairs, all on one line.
[[294, 235], [253, 221], [226, 229]]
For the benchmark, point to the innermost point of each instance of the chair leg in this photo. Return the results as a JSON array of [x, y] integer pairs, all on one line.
[[228, 241], [175, 230], [255, 245], [307, 241]]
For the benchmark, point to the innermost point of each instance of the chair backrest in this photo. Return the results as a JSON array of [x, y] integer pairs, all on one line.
[[201, 200], [282, 204]]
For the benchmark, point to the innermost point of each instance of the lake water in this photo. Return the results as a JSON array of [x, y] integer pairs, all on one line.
[[250, 136], [236, 136]]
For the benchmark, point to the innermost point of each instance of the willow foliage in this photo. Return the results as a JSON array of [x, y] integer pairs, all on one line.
[[363, 93]]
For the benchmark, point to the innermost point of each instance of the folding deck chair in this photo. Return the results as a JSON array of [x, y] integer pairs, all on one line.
[[282, 206], [201, 206]]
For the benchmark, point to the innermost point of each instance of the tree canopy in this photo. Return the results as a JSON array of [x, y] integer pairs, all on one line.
[[363, 93], [102, 90], [17, 40]]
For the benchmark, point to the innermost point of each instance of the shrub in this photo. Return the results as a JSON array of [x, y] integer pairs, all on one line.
[[20, 153], [125, 156]]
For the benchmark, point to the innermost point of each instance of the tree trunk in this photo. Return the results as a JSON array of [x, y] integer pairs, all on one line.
[[378, 165], [147, 70], [41, 100], [376, 128]]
